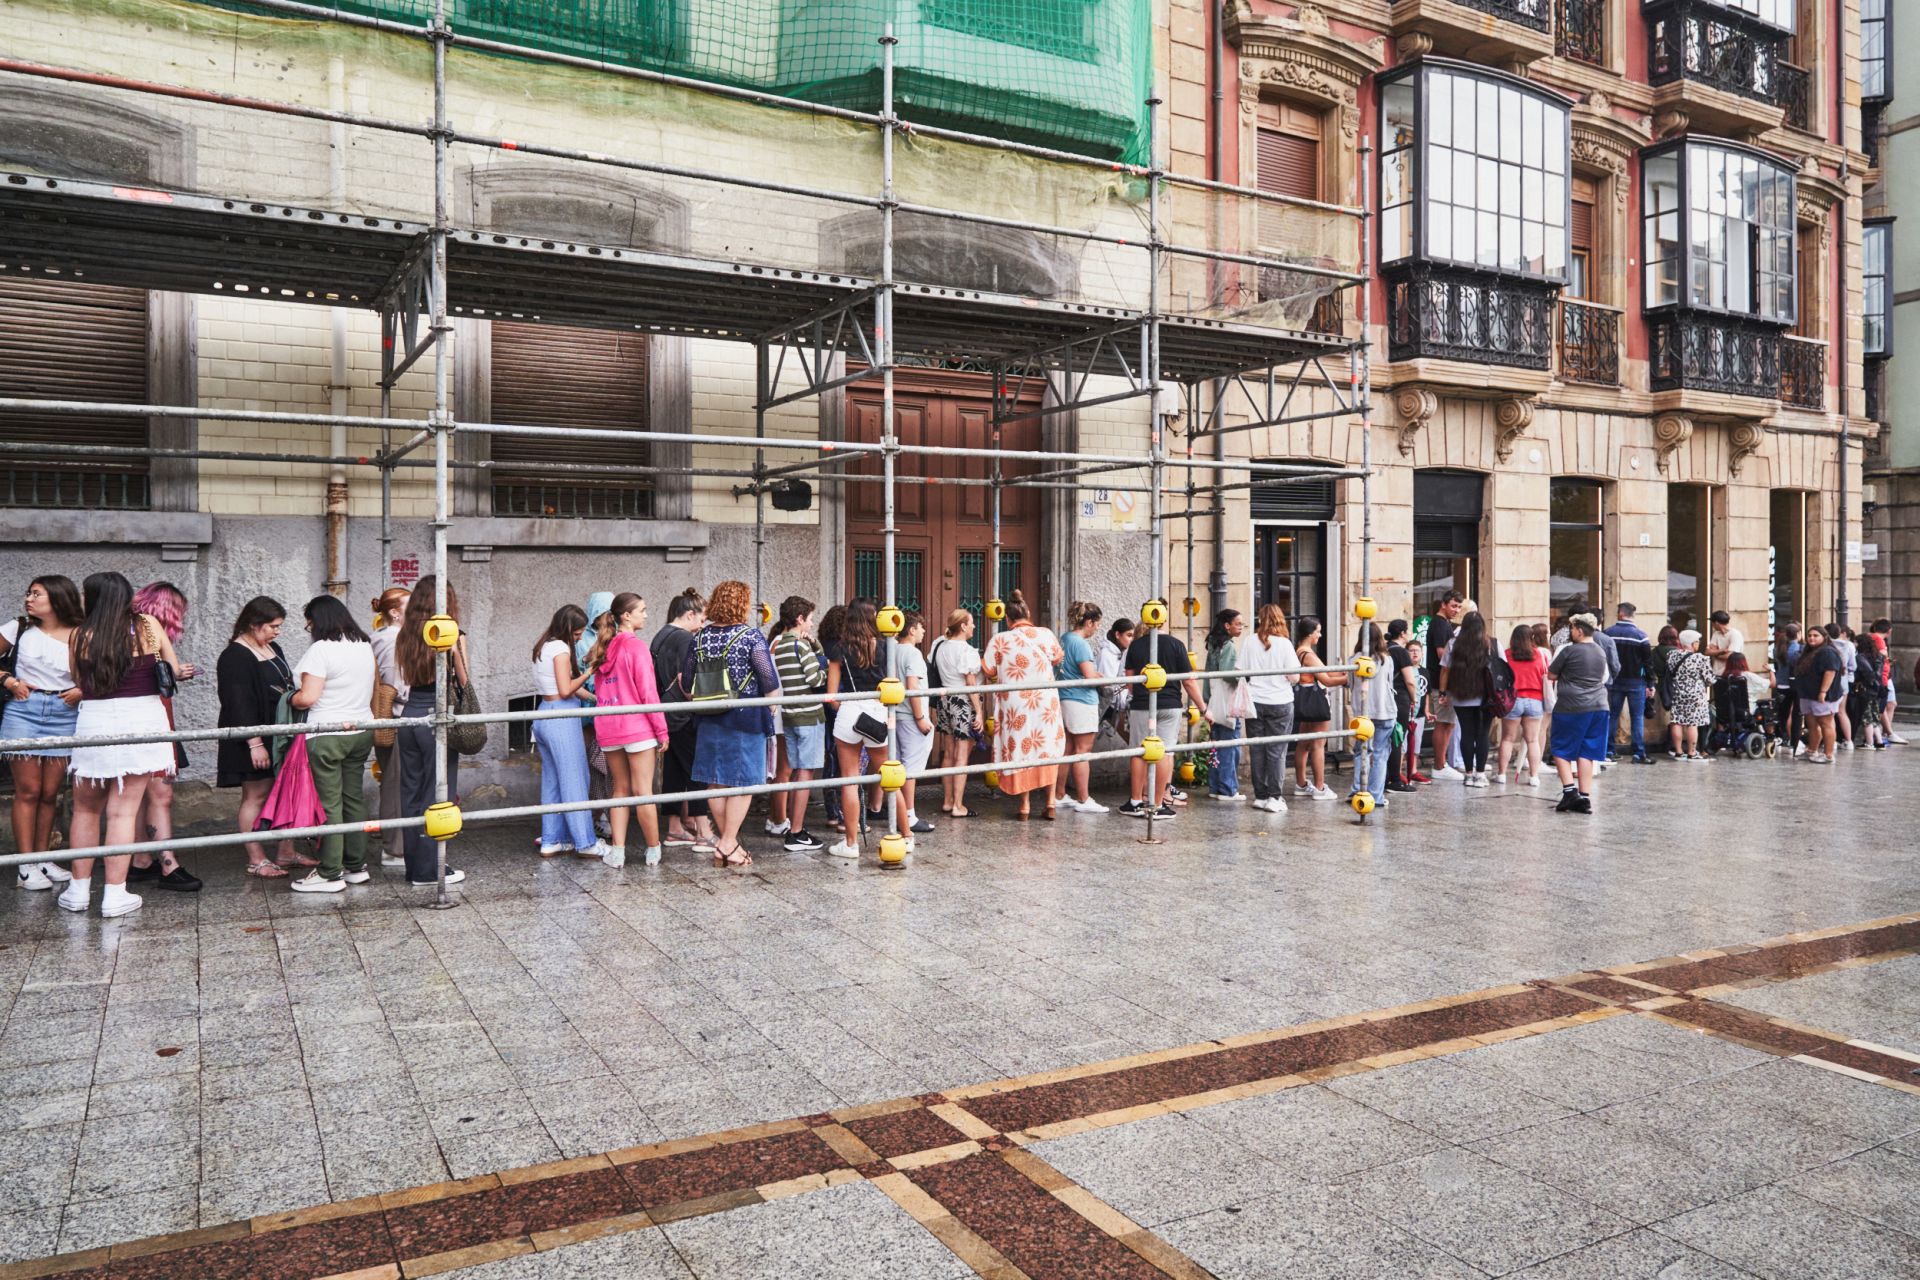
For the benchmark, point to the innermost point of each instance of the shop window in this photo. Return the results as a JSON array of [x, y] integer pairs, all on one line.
[[1787, 558], [1447, 509], [1694, 516], [1575, 549]]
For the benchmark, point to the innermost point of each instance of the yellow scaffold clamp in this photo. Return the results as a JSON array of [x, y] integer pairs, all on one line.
[[440, 632], [1362, 803], [893, 775], [996, 610], [992, 778], [1363, 667], [1153, 613], [892, 692], [1192, 605], [1361, 728], [1364, 608], [1152, 750], [893, 852], [443, 820], [1156, 676], [889, 621], [1193, 715], [766, 613]]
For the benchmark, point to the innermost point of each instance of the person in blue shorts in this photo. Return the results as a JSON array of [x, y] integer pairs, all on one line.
[[1580, 722]]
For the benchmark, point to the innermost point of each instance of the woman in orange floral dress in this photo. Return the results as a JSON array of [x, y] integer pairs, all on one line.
[[1026, 730]]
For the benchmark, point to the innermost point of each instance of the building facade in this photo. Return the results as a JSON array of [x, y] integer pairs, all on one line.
[[1891, 261], [1616, 315]]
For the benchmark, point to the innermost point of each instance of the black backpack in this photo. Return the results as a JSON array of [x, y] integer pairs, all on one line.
[[1499, 685]]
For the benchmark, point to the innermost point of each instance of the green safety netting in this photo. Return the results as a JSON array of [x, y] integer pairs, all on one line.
[[1070, 74]]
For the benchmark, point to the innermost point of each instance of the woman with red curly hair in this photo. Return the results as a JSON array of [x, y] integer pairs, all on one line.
[[731, 749]]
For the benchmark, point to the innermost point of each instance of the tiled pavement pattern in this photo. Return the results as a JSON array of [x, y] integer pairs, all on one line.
[[1679, 1136]]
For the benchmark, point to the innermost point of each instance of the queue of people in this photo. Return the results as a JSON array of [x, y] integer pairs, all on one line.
[[100, 659]]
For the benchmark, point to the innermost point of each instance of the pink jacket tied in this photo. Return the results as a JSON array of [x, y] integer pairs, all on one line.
[[626, 679]]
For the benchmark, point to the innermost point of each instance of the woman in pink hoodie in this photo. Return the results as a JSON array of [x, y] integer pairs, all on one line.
[[623, 677]]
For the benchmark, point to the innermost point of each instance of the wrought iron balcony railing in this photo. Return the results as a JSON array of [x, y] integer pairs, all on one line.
[[1527, 13], [1580, 30], [1692, 40], [1589, 343], [1793, 94], [1713, 353], [1452, 314], [1803, 372]]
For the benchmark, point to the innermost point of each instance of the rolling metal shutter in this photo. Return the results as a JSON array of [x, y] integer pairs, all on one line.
[[552, 376], [1289, 165], [61, 340]]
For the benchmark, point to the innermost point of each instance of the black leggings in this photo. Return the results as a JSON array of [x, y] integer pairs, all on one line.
[[1474, 723]]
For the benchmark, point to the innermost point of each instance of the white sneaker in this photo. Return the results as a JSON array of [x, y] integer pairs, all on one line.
[[313, 882], [76, 895], [1091, 806], [1324, 793], [1799, 749], [777, 828], [1896, 740], [34, 877], [1533, 779], [653, 855], [454, 876], [392, 860], [1501, 778], [546, 850], [357, 877], [613, 855], [1068, 803], [1448, 772], [841, 849], [116, 901], [55, 872]]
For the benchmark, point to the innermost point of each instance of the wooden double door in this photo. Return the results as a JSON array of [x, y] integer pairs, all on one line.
[[943, 536]]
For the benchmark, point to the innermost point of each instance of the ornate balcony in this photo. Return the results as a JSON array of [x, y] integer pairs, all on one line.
[[1588, 338], [1803, 373], [1793, 94], [1580, 30], [1713, 353], [1528, 13], [1521, 29], [1697, 51], [1442, 313]]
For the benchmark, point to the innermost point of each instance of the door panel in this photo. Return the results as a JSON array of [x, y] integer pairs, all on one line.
[[943, 532]]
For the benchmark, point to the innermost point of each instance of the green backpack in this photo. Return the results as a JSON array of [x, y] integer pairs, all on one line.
[[713, 680]]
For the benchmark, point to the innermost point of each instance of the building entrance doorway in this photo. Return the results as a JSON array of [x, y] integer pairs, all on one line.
[[943, 530]]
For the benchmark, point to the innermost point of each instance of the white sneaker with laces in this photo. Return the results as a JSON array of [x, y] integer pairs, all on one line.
[[653, 855], [1091, 805], [777, 828], [546, 850], [841, 849], [314, 882], [612, 854], [1068, 803], [33, 877], [55, 872], [1325, 793], [76, 895], [1449, 772], [1896, 740], [357, 877], [1533, 779], [392, 860], [116, 901]]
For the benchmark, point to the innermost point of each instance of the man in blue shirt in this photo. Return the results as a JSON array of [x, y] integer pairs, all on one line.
[[1628, 689]]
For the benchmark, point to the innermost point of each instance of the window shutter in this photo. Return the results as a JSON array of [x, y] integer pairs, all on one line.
[[1581, 233], [61, 340], [553, 376], [1289, 165]]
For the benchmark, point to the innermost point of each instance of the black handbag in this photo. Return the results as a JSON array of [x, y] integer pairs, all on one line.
[[865, 723], [10, 660], [1311, 706]]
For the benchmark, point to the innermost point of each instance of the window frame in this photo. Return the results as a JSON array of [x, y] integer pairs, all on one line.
[[1885, 62], [1876, 230], [1420, 75], [1596, 528], [1682, 151], [1751, 12], [1709, 583]]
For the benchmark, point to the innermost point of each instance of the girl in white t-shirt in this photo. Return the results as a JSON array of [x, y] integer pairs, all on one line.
[[38, 700], [564, 777], [336, 676]]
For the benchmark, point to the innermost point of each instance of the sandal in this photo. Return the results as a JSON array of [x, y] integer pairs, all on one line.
[[296, 859], [738, 858], [1049, 815], [959, 813], [267, 870]]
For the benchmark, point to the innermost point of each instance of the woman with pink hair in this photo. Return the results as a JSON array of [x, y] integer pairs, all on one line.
[[167, 605]]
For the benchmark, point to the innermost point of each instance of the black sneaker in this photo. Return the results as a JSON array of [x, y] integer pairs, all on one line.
[[1641, 759], [1400, 786], [1166, 811], [149, 872], [1583, 804], [180, 880], [1133, 809], [1568, 800], [801, 842]]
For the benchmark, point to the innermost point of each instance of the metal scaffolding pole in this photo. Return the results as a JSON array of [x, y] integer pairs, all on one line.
[[1156, 448], [443, 661], [761, 392], [889, 434]]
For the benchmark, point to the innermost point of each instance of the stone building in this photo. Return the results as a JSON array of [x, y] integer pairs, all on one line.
[[1892, 281]]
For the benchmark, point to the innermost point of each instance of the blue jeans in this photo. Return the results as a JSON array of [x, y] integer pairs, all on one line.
[[563, 777], [1370, 761], [1224, 779], [1634, 698]]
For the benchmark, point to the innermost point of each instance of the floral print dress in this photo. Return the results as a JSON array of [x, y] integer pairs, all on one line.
[[1027, 727]]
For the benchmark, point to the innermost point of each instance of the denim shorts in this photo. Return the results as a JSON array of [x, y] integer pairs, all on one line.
[[1526, 709], [806, 745], [38, 715]]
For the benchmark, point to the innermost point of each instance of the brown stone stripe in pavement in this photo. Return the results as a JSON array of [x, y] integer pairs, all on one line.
[[427, 1229]]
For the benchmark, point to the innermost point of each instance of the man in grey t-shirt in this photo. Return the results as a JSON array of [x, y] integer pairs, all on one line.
[[1580, 674]]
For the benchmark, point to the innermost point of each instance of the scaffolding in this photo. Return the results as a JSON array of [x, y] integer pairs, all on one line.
[[825, 329]]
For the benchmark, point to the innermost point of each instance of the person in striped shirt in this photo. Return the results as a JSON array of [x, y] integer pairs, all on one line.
[[802, 742]]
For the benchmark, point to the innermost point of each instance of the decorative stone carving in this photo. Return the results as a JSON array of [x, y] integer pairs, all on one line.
[[1670, 123], [1414, 44], [1311, 19], [1599, 101], [1416, 407], [1511, 418], [1670, 431], [1743, 441], [1595, 153]]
